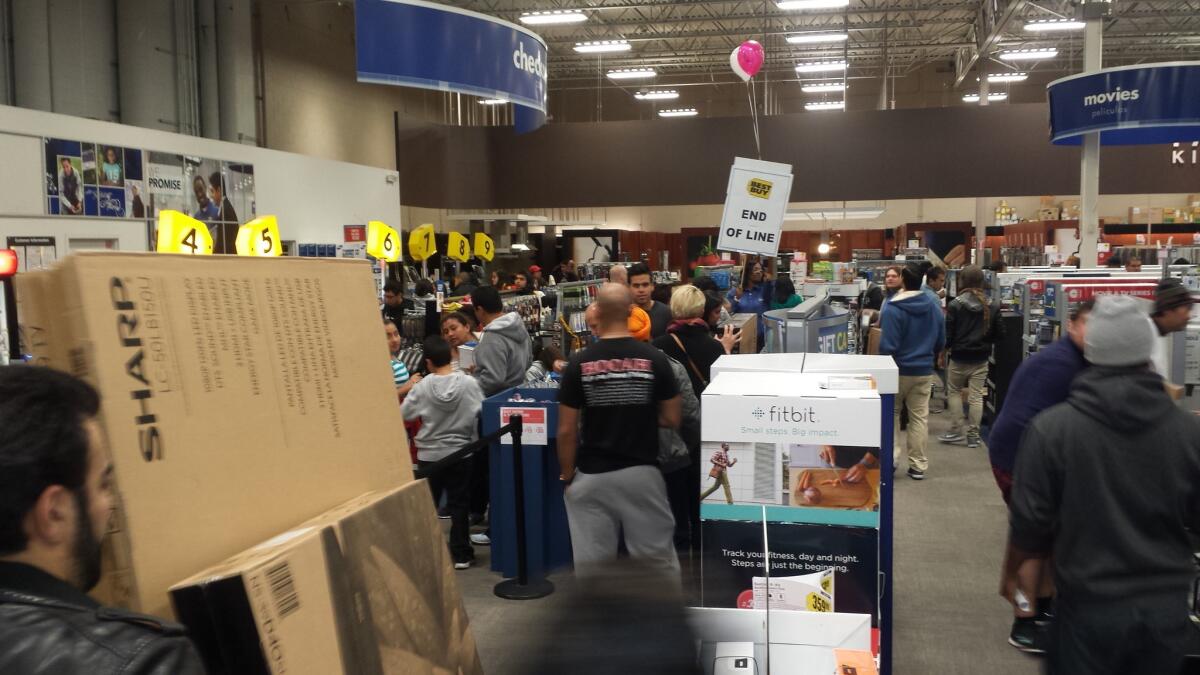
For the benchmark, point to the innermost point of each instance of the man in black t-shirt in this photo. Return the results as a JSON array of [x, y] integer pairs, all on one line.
[[624, 391]]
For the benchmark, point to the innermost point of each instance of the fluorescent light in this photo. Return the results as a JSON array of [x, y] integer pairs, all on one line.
[[657, 95], [820, 67], [632, 74], [602, 46], [821, 87], [811, 4], [816, 38], [847, 213], [493, 101], [974, 98], [1028, 54], [1046, 25], [519, 247], [826, 105], [823, 248], [1006, 77], [678, 112], [553, 17]]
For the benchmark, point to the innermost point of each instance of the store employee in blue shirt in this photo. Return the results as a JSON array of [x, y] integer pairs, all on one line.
[[752, 295]]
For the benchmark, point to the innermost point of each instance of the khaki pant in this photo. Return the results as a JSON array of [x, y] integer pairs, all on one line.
[[914, 394], [973, 376]]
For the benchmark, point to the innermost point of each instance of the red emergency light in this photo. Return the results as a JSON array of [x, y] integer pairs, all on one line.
[[8, 263]]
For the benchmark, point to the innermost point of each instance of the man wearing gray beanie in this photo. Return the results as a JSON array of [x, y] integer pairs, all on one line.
[[1108, 483]]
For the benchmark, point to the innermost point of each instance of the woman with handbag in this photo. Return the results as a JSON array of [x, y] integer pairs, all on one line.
[[688, 339]]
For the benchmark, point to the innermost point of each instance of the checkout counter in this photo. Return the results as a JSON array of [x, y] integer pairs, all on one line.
[[814, 326]]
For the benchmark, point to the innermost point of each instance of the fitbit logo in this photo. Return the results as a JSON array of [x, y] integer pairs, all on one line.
[[531, 64], [758, 413], [1116, 96], [787, 413]]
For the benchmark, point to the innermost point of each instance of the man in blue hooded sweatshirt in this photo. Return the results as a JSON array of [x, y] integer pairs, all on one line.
[[913, 332]]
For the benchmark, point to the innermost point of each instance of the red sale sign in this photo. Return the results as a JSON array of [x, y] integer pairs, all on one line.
[[533, 425]]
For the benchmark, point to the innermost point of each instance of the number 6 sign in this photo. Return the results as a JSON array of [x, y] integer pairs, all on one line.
[[179, 233], [383, 242], [259, 237]]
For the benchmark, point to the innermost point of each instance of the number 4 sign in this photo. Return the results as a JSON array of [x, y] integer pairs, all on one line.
[[179, 233], [259, 237]]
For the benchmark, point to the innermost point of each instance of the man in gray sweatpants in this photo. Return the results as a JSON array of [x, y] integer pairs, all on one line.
[[624, 391]]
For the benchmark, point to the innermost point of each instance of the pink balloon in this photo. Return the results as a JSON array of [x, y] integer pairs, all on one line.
[[750, 57]]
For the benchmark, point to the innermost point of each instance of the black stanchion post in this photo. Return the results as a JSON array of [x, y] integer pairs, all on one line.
[[521, 588]]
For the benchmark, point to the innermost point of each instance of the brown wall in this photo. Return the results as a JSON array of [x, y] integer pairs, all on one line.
[[868, 155]]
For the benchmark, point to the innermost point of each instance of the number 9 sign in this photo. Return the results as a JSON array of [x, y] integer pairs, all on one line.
[[484, 247], [259, 237], [180, 233], [457, 247], [383, 242]]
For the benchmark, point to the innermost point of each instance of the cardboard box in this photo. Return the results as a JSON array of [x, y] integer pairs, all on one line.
[[747, 323], [240, 396], [1070, 209], [1193, 201], [874, 335], [1046, 213], [366, 588], [1047, 201], [1170, 215]]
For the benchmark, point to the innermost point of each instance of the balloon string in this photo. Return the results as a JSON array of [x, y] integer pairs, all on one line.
[[753, 116]]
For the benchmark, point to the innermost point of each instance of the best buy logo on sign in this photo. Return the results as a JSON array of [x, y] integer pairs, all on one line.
[[757, 187]]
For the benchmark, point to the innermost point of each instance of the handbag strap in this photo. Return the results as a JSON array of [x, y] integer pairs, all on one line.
[[689, 359]]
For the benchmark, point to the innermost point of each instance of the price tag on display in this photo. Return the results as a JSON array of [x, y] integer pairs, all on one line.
[[457, 247], [484, 246], [383, 242], [180, 233], [421, 243], [259, 237]]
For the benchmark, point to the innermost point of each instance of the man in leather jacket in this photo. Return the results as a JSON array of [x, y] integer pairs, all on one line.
[[56, 500]]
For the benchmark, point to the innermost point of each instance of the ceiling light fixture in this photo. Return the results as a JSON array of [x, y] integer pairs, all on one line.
[[678, 112], [1029, 54], [1006, 77], [822, 87], [974, 98], [493, 101], [816, 38], [657, 95], [632, 74], [553, 17], [821, 67], [826, 105], [811, 4], [1047, 25], [823, 248], [847, 213], [602, 46]]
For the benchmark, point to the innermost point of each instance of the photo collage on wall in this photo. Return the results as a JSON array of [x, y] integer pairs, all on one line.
[[94, 179]]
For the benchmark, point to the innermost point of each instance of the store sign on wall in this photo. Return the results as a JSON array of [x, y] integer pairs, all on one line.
[[1131, 105], [756, 200], [428, 45]]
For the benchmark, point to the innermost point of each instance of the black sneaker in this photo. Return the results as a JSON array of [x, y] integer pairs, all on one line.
[[443, 514], [916, 474], [1028, 635]]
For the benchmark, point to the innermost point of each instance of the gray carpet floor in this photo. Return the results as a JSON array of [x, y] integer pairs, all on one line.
[[949, 618]]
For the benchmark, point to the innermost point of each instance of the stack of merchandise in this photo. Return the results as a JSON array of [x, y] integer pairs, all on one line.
[[240, 397]]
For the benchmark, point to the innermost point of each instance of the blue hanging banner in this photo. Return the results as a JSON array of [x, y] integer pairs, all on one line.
[[1131, 105], [431, 46]]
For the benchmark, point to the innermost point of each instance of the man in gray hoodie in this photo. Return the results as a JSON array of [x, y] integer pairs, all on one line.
[[503, 355], [447, 403]]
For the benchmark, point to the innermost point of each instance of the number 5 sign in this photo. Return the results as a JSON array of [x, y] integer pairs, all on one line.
[[179, 233], [383, 242], [457, 247], [259, 237]]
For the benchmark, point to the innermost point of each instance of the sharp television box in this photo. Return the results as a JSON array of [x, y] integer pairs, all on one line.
[[239, 397], [364, 589]]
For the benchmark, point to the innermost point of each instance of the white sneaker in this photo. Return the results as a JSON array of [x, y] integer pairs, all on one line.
[[481, 539], [466, 564], [952, 437]]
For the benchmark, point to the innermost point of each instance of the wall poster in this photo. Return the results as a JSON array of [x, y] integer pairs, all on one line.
[[108, 181]]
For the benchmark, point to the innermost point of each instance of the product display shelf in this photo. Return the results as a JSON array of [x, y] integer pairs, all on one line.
[[573, 299]]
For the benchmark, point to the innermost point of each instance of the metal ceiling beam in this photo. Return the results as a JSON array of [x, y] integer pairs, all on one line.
[[963, 68]]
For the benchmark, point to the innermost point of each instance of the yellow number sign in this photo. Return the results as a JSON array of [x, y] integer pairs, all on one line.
[[484, 246], [457, 247], [421, 242], [259, 237], [179, 233], [383, 242]]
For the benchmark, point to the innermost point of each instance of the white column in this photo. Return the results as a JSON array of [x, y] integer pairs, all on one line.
[[983, 217], [1089, 161]]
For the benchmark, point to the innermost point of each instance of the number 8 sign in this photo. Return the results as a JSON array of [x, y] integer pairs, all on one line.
[[457, 248]]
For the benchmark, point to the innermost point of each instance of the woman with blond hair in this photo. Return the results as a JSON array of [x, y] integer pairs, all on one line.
[[688, 339], [972, 328]]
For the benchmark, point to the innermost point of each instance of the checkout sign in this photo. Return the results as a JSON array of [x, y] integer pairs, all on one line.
[[755, 202]]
